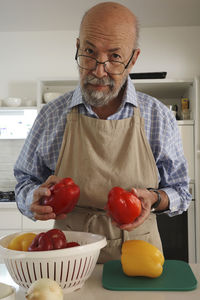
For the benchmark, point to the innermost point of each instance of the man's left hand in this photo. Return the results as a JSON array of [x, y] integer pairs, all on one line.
[[147, 198]]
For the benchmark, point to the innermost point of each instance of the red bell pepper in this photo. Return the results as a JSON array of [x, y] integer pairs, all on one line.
[[50, 240], [64, 196], [41, 243], [72, 244], [123, 206], [57, 238]]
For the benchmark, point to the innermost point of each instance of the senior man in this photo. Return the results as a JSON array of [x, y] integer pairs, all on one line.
[[105, 134]]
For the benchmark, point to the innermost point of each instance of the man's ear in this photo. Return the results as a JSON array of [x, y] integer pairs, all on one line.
[[77, 43], [135, 57]]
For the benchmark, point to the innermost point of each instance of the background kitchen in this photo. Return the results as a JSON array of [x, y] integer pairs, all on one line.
[[37, 48]]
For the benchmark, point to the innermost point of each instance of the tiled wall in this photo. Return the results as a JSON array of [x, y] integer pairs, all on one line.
[[9, 151]]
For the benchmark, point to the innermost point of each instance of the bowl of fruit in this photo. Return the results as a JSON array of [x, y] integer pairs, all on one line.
[[67, 257]]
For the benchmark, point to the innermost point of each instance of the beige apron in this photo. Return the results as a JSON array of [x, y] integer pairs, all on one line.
[[100, 154]]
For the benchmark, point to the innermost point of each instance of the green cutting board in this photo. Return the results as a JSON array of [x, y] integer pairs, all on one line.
[[177, 276]]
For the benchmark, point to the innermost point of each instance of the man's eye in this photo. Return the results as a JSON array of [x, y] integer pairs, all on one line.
[[116, 56], [89, 51]]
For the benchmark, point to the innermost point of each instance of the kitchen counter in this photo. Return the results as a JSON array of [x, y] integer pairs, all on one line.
[[8, 205], [93, 289]]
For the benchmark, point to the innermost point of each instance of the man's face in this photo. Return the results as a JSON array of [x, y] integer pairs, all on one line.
[[98, 86], [98, 92]]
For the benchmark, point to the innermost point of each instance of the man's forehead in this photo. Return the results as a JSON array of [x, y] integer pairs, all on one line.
[[101, 40], [93, 45]]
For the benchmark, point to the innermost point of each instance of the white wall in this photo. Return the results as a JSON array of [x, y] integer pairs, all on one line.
[[27, 56], [172, 49]]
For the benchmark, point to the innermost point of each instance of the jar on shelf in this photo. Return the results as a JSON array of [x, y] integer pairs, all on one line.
[[185, 111]]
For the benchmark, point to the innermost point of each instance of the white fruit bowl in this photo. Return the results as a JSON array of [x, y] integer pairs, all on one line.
[[70, 267], [12, 101], [51, 96]]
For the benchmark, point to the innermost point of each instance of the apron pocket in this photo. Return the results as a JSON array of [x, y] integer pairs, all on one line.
[[135, 236]]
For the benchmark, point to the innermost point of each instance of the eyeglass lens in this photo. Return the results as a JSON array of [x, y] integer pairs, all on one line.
[[90, 63]]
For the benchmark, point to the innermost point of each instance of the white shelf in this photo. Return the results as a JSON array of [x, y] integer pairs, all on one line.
[[17, 107], [170, 88], [57, 79], [8, 205], [164, 80], [185, 122], [60, 85]]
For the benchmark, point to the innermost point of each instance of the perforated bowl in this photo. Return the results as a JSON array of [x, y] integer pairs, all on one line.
[[70, 267]]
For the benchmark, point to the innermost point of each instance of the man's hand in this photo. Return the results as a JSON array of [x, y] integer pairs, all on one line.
[[147, 199], [42, 212]]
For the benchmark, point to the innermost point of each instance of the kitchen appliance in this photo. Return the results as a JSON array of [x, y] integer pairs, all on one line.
[[148, 75], [16, 123], [70, 267], [7, 196], [177, 276]]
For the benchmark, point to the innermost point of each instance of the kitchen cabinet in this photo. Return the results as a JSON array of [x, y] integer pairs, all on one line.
[[170, 92], [7, 108], [187, 134], [28, 224], [58, 85], [10, 217], [11, 220]]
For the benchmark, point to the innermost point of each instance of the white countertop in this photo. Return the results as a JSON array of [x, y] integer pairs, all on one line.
[[8, 205], [93, 289]]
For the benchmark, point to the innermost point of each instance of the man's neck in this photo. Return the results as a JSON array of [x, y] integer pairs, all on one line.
[[103, 112]]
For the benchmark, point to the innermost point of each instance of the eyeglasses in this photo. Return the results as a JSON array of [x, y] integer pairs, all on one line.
[[110, 66]]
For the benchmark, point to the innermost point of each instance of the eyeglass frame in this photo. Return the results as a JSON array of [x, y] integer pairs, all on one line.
[[104, 63]]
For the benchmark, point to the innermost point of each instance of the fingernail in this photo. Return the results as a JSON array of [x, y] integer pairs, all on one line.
[[47, 192]]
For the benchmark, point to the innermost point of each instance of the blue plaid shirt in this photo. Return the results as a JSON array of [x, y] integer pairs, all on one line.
[[39, 154]]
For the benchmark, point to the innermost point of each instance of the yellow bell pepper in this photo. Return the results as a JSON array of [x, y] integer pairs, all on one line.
[[140, 258], [21, 242]]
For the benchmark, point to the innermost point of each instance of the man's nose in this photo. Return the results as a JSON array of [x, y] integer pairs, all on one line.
[[100, 70]]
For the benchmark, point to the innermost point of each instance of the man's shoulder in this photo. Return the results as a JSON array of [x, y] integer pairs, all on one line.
[[57, 109], [155, 112], [148, 103]]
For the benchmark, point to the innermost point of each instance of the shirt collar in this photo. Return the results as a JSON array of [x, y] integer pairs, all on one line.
[[129, 96], [76, 97]]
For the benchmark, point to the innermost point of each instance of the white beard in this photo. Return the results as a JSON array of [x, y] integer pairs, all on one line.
[[100, 98]]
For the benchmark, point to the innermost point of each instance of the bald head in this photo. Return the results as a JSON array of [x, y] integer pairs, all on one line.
[[106, 52], [110, 18]]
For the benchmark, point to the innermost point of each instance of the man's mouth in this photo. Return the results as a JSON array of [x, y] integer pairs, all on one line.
[[101, 85], [98, 86]]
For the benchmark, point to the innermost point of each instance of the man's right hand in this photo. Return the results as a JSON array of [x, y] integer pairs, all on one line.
[[42, 212]]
